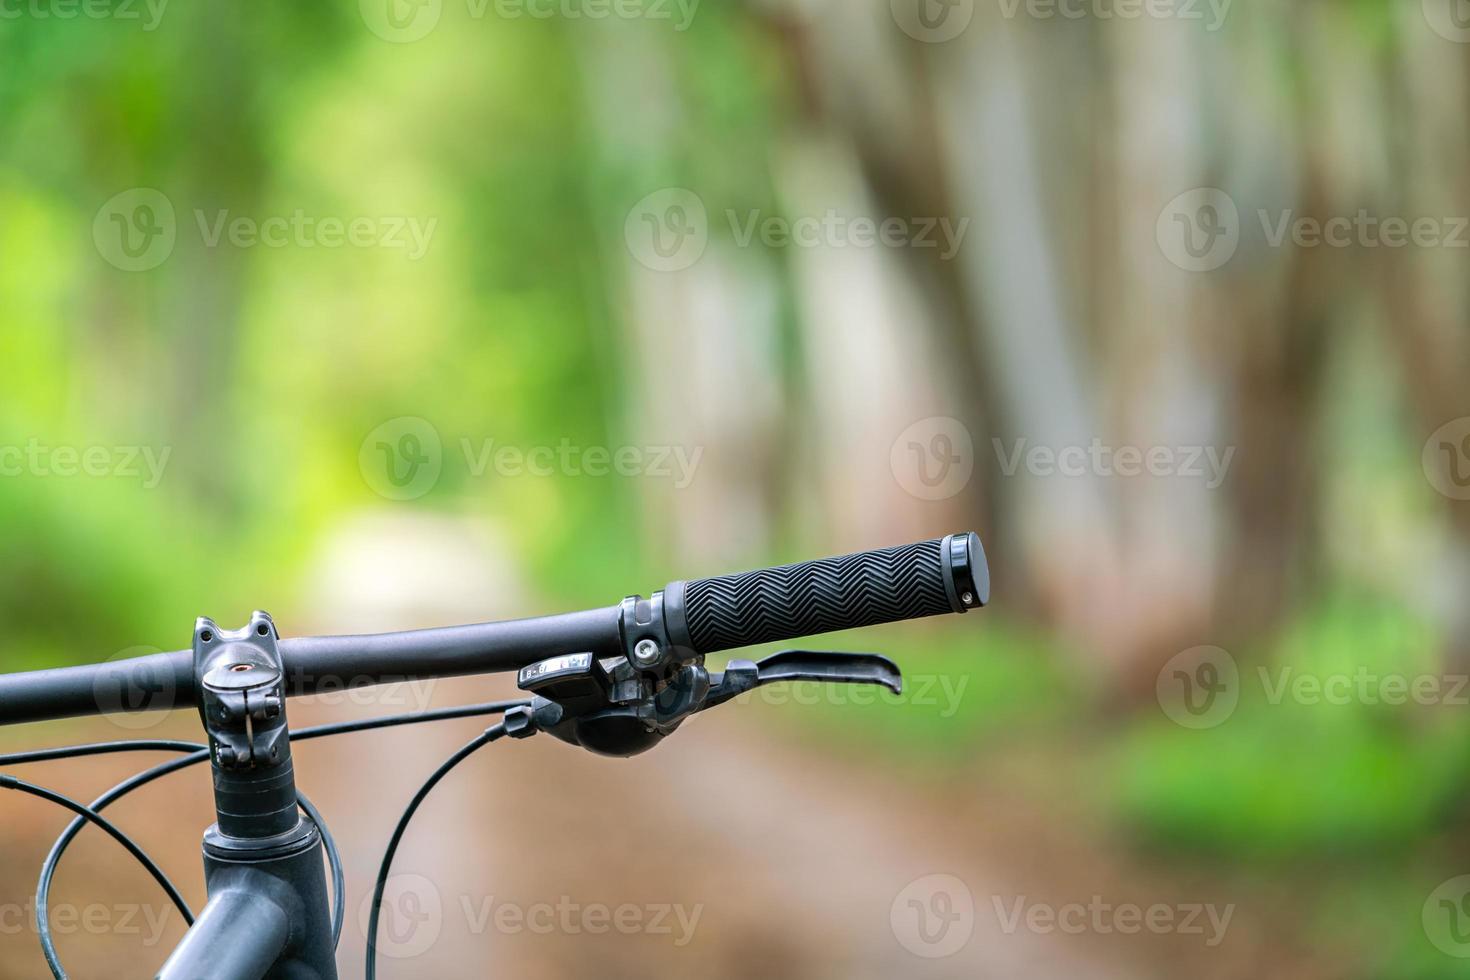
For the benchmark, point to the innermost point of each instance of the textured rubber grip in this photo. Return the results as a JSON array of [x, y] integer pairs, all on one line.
[[864, 589]]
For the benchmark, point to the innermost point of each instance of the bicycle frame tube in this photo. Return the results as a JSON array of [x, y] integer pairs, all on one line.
[[239, 935]]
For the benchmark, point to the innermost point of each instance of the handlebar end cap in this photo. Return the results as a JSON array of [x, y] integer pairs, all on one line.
[[966, 572]]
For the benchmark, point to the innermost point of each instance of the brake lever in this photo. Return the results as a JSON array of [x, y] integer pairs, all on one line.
[[741, 676]]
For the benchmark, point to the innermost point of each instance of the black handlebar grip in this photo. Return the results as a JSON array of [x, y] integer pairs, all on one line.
[[865, 589]]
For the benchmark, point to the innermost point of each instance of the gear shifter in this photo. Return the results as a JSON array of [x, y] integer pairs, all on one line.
[[607, 708]]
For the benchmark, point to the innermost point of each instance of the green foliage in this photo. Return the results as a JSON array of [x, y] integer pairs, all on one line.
[[1284, 777], [262, 370]]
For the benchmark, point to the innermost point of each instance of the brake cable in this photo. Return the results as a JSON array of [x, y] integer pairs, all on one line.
[[53, 859], [198, 754], [90, 815], [517, 724], [98, 748]]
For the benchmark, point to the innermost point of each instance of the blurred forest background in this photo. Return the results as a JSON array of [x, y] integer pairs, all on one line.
[[823, 395]]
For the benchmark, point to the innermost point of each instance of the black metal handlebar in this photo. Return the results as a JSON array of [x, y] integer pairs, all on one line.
[[314, 665], [703, 616]]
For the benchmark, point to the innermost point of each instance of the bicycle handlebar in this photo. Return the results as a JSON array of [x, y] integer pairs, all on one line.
[[314, 665], [702, 616]]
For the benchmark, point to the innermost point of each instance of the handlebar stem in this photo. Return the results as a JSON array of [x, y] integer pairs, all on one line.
[[267, 916]]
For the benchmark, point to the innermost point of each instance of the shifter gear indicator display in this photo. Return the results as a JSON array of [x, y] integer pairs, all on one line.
[[574, 663]]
